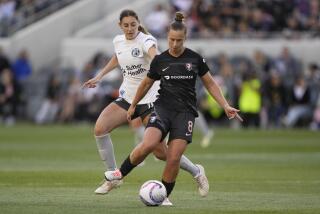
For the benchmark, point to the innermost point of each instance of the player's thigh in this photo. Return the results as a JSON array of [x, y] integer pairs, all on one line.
[[110, 118], [151, 138], [136, 123]]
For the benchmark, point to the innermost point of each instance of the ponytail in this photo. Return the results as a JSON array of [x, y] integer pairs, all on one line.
[[143, 29]]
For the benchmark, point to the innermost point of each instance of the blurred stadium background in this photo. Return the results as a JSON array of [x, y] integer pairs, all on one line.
[[264, 54]]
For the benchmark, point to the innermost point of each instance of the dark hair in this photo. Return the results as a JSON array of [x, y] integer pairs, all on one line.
[[127, 13], [178, 23]]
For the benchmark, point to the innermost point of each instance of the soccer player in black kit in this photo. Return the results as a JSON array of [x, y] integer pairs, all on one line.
[[175, 109]]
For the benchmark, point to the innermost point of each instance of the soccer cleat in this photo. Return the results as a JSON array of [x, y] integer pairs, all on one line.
[[205, 142], [113, 175], [202, 181], [166, 202], [107, 186]]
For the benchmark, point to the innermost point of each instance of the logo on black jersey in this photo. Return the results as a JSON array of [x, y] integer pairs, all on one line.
[[189, 77], [189, 66], [164, 69], [153, 119], [135, 52]]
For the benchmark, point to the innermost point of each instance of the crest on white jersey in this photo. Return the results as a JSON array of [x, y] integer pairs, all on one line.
[[189, 66], [135, 52]]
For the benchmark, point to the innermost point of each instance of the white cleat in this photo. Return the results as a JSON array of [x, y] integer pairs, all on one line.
[[166, 202], [107, 186], [202, 181], [205, 142], [113, 175]]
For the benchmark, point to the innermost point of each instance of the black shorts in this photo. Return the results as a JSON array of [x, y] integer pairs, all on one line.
[[142, 110], [179, 125]]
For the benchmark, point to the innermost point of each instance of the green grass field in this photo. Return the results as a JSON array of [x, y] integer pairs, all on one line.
[[55, 169]]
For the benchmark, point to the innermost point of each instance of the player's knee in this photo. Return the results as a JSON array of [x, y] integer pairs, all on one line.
[[147, 148], [159, 154], [100, 131]]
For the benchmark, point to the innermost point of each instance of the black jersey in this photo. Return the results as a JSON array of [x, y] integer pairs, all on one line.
[[178, 77]]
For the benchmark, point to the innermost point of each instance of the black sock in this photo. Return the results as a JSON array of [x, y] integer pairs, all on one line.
[[169, 187], [126, 167]]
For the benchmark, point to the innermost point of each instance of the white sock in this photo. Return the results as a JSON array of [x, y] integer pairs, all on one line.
[[188, 166], [106, 152]]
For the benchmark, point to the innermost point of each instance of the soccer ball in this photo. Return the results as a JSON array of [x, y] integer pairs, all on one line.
[[152, 193]]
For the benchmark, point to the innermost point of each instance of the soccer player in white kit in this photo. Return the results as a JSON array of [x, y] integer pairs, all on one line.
[[134, 51]]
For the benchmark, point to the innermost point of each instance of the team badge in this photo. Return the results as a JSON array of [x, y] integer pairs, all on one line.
[[135, 52], [189, 66], [153, 119]]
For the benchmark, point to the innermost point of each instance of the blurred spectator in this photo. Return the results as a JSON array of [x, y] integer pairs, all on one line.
[[22, 67], [22, 71], [261, 65], [50, 106], [288, 67], [4, 61], [89, 105], [313, 81], [300, 108], [250, 100], [8, 97], [99, 60], [70, 100], [275, 100], [315, 124], [157, 21], [87, 72]]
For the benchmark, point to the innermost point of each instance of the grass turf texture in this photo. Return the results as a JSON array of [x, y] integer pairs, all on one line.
[[55, 169]]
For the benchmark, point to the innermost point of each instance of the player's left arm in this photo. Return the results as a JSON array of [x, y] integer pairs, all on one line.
[[152, 52], [215, 91]]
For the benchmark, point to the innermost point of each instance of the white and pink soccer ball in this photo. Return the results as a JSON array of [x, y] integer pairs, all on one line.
[[152, 193]]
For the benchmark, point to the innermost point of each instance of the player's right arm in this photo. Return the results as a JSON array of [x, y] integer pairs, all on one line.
[[142, 90], [112, 64]]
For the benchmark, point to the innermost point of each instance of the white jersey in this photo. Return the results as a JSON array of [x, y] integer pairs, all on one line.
[[135, 64]]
